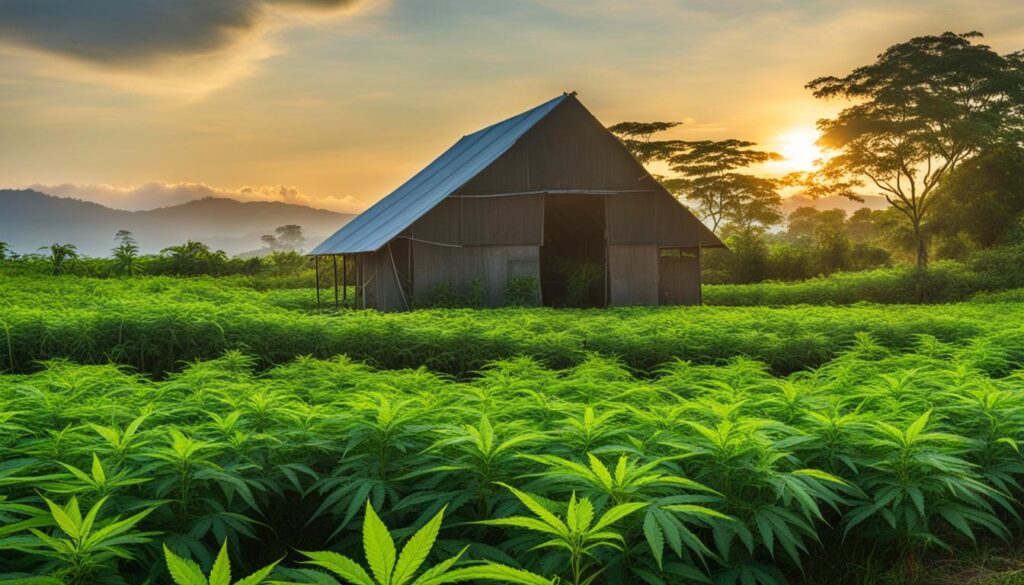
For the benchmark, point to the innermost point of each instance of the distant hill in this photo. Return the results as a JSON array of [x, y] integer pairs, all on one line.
[[833, 202], [30, 219]]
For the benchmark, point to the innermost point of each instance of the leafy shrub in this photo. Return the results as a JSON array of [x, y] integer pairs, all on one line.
[[475, 295], [943, 282], [522, 291]]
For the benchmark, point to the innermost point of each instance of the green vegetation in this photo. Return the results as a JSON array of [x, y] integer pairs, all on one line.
[[890, 453], [154, 324]]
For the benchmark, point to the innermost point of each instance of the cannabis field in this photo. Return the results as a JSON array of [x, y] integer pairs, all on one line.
[[201, 431]]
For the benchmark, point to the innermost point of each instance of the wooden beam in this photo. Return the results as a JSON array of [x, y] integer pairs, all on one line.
[[316, 264]]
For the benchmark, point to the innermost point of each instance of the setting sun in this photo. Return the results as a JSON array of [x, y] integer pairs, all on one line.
[[798, 149]]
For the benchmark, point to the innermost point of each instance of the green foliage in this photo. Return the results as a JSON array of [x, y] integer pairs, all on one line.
[[923, 107], [691, 473], [578, 536], [579, 282], [388, 567], [522, 291], [709, 177], [186, 572], [157, 324], [942, 282], [125, 254], [89, 548], [193, 258], [983, 199], [475, 295], [60, 256], [441, 296]]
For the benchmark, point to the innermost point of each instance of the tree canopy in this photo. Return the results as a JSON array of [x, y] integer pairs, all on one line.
[[710, 178], [920, 109]]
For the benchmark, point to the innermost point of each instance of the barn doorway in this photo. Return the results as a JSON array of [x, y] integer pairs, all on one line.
[[573, 259]]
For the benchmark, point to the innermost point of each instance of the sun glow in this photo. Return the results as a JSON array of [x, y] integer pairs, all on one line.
[[798, 149]]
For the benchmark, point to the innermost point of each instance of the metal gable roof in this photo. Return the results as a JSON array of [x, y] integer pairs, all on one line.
[[467, 158]]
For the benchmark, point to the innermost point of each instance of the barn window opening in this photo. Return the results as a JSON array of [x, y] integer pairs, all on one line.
[[572, 259]]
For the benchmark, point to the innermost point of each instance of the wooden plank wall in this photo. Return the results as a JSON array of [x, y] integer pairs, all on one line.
[[568, 149], [679, 277], [382, 288], [650, 218], [503, 221], [491, 239], [633, 274], [495, 265]]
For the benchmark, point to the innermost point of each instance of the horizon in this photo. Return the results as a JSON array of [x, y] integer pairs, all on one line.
[[256, 103]]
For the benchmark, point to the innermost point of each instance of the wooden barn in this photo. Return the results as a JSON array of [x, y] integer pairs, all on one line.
[[549, 201]]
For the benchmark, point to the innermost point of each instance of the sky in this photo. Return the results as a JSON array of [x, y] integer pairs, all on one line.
[[333, 103]]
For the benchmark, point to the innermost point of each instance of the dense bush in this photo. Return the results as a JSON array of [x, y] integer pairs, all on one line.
[[943, 282], [522, 291]]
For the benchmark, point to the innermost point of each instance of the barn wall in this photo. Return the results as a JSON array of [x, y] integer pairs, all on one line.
[[381, 285], [633, 274], [503, 221], [499, 236], [679, 277], [434, 266], [568, 149], [441, 224], [457, 267], [650, 218], [495, 265]]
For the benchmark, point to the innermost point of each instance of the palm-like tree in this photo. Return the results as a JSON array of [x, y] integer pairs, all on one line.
[[125, 253], [4, 247], [60, 254]]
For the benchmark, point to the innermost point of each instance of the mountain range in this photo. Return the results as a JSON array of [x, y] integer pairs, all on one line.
[[31, 219]]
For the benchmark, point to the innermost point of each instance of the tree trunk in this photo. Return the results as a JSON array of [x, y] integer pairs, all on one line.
[[922, 245]]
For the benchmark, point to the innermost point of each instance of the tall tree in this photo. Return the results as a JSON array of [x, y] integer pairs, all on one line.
[[921, 108], [710, 178], [286, 238]]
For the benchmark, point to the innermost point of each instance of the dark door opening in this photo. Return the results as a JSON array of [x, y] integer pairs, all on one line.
[[573, 260]]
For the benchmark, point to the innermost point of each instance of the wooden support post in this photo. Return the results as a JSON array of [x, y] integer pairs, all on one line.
[[344, 279], [316, 264], [700, 277], [334, 260]]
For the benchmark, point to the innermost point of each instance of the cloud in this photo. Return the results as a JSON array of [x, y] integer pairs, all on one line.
[[179, 46], [155, 194]]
